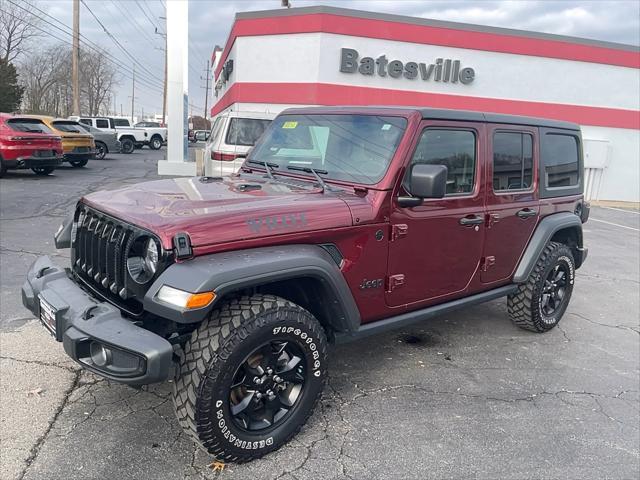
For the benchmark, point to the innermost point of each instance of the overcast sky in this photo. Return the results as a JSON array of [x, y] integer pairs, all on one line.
[[133, 22]]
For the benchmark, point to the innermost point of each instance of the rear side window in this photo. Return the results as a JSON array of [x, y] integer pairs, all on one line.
[[120, 122], [245, 131], [561, 161], [102, 123], [455, 149], [71, 127], [512, 161], [29, 125], [86, 121]]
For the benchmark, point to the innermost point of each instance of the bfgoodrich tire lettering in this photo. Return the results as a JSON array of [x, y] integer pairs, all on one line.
[[539, 303], [202, 390]]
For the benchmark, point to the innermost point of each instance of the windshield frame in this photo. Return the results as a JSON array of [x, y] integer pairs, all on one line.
[[387, 177]]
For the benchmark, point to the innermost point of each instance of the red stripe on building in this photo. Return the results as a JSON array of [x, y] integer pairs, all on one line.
[[423, 34], [331, 94]]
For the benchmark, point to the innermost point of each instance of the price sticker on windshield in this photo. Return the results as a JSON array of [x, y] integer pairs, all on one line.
[[289, 124]]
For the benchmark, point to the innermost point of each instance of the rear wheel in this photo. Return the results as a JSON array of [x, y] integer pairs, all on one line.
[[101, 150], [250, 377], [3, 169], [127, 145], [539, 303], [43, 170], [78, 163]]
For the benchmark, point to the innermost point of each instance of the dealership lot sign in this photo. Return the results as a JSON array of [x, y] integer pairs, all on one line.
[[442, 70]]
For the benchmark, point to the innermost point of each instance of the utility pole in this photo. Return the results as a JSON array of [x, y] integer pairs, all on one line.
[[133, 91], [142, 119], [206, 89], [121, 110], [164, 87], [75, 58], [115, 105]]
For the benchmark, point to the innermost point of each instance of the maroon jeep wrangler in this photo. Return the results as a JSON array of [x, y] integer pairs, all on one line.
[[342, 223]]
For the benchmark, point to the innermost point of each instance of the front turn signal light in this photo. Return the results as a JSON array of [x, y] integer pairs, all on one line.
[[185, 300]]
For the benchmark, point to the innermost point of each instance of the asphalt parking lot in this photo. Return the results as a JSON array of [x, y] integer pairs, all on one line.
[[467, 395]]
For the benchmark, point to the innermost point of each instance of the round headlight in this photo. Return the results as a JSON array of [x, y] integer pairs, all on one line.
[[142, 262], [151, 256]]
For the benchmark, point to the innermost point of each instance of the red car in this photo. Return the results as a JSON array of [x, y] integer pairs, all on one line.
[[28, 143]]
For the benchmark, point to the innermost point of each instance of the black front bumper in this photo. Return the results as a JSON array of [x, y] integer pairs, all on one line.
[[134, 356]]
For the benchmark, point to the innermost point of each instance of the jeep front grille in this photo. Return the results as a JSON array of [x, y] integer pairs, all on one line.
[[99, 256]]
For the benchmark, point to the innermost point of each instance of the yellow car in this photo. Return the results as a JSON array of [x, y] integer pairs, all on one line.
[[78, 146]]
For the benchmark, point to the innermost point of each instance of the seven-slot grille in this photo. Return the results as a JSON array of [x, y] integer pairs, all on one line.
[[100, 253]]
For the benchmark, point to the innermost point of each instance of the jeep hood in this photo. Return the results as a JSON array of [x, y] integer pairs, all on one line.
[[237, 208]]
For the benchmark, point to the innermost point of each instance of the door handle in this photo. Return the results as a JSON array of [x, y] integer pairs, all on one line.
[[526, 213], [471, 220]]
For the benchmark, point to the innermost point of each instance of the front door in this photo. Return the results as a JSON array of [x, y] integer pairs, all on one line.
[[435, 248], [512, 198]]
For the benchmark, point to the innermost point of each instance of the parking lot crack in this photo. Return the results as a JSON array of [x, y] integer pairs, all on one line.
[[40, 441], [41, 363], [621, 327]]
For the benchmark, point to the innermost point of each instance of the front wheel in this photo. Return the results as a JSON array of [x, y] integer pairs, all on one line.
[[101, 151], [250, 377], [79, 163], [540, 302], [43, 170], [155, 143]]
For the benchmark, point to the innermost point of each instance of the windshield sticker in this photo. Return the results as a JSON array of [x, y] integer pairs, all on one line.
[[289, 124], [386, 126]]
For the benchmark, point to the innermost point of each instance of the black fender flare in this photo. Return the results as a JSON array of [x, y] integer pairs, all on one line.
[[229, 272], [543, 233]]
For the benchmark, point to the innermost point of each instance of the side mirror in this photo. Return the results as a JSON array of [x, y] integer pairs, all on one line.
[[425, 181]]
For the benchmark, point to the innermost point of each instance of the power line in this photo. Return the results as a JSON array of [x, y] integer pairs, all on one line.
[[117, 63], [115, 40], [136, 26], [119, 66], [150, 18]]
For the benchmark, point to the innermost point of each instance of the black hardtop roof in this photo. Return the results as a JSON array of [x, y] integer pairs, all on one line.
[[443, 114]]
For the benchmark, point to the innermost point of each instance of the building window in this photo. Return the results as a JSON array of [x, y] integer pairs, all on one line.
[[512, 161], [561, 160], [455, 149]]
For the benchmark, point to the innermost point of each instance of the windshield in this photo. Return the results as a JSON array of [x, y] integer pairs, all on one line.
[[30, 125], [353, 148], [71, 127]]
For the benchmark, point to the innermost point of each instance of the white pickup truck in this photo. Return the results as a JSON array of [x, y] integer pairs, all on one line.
[[130, 137]]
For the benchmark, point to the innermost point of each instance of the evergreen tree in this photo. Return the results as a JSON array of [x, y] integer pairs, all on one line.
[[10, 91]]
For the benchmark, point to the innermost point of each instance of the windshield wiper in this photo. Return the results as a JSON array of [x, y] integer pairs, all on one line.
[[315, 173], [267, 166]]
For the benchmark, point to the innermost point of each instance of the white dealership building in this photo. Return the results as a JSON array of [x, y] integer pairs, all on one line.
[[332, 56]]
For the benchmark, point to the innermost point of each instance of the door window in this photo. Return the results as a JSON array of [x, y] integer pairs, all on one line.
[[561, 160], [512, 161], [102, 123], [455, 149]]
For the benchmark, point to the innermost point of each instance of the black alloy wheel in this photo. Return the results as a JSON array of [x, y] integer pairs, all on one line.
[[43, 170], [267, 386], [127, 146], [554, 290], [101, 151]]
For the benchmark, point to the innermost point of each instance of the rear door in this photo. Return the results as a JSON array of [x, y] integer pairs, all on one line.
[[512, 198], [435, 248]]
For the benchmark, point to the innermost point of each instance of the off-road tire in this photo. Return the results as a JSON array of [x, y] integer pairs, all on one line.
[[524, 306], [127, 146], [43, 170], [211, 358], [101, 150], [3, 169], [79, 163], [155, 143]]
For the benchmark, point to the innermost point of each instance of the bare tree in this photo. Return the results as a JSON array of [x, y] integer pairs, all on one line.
[[18, 26], [40, 73], [97, 79]]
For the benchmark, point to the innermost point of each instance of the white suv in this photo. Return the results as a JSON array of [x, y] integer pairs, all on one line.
[[232, 136]]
